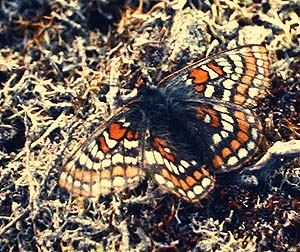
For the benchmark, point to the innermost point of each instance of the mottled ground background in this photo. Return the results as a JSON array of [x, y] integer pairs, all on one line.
[[62, 66]]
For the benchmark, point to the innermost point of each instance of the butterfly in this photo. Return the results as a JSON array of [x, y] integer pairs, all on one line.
[[194, 124]]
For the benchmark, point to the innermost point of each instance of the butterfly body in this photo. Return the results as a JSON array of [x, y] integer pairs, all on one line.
[[196, 123]]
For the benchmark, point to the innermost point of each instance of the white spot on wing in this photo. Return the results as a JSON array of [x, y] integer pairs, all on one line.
[[207, 118], [83, 158], [253, 92], [237, 60], [181, 169], [198, 189], [227, 69], [227, 126], [191, 195], [77, 184], [117, 158], [160, 179], [227, 118], [89, 164], [259, 62], [100, 155], [184, 163], [212, 73], [130, 160], [221, 109], [150, 157], [167, 163], [175, 169], [209, 91], [63, 176], [206, 182], [95, 148], [235, 77], [228, 84], [242, 153], [222, 62], [106, 163], [110, 142], [105, 184], [97, 166], [126, 124], [216, 139], [226, 95], [119, 182], [181, 192], [159, 159], [251, 145], [169, 184], [239, 70], [70, 180], [254, 133], [224, 134], [232, 161], [131, 144]]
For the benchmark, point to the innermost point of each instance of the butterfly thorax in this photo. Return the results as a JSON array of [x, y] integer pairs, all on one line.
[[168, 114], [160, 105]]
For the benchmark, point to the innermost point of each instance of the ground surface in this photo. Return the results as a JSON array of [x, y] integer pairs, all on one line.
[[62, 64]]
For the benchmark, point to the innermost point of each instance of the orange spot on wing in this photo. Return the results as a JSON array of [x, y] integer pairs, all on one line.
[[216, 68], [239, 99], [184, 185], [240, 115], [247, 79], [204, 171], [243, 138], [64, 184], [198, 75], [159, 144], [215, 122], [190, 181], [118, 171], [105, 174], [242, 88], [250, 72], [85, 176], [116, 131], [132, 135], [250, 63], [202, 111], [166, 174], [103, 145], [235, 145], [175, 180], [244, 126], [226, 152], [218, 161], [132, 171], [197, 175], [200, 88]]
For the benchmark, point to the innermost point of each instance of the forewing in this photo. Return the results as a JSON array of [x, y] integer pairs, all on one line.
[[176, 172], [238, 76], [110, 160]]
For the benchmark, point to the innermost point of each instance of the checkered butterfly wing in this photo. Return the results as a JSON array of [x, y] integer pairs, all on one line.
[[233, 134], [110, 160], [238, 76], [221, 90]]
